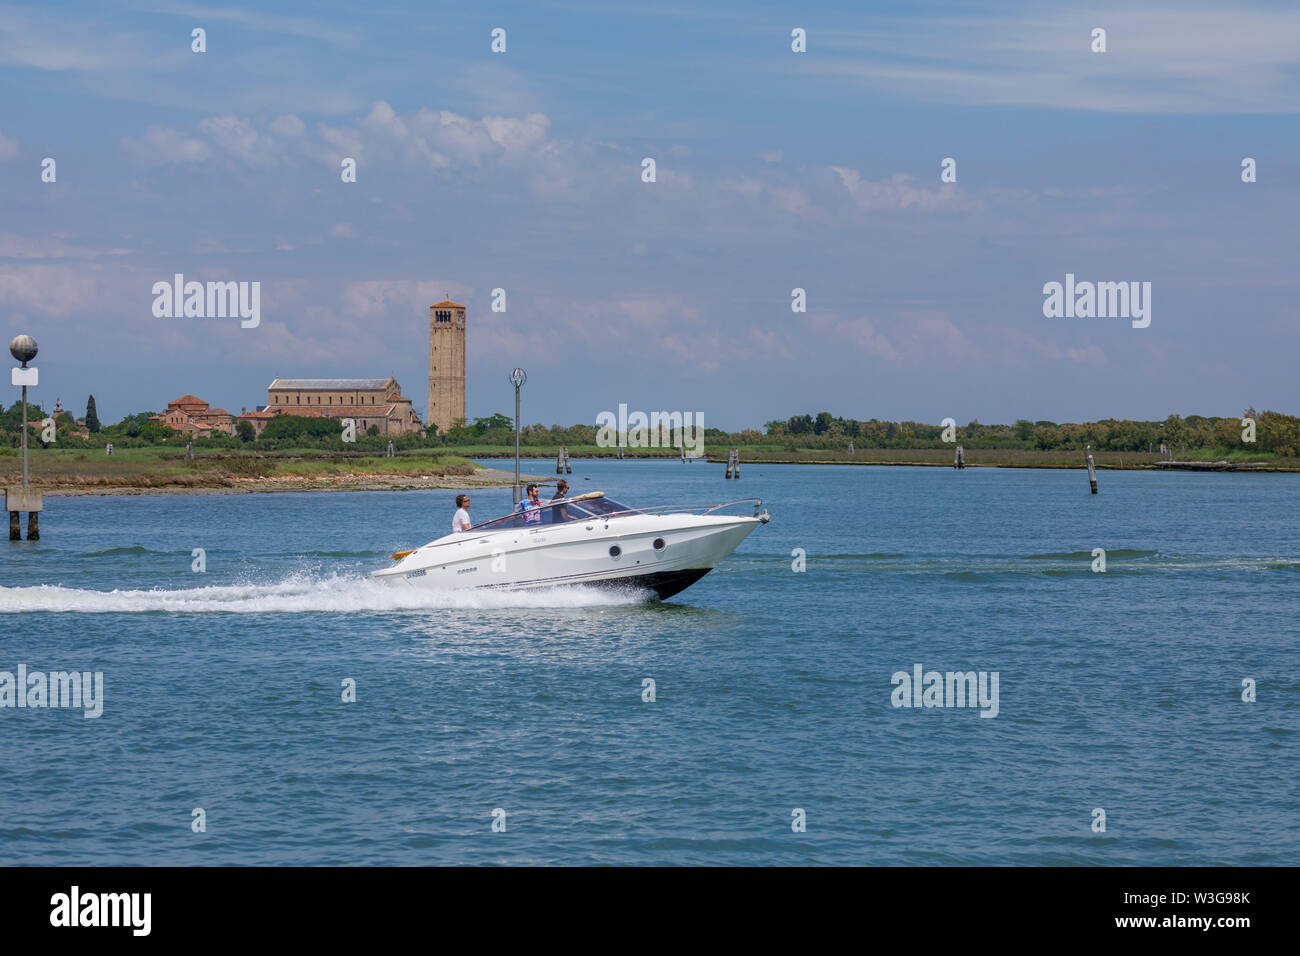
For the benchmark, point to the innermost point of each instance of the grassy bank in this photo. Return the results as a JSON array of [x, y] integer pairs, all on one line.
[[142, 470]]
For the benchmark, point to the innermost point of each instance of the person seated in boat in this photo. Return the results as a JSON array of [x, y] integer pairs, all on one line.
[[531, 507], [460, 520], [559, 513]]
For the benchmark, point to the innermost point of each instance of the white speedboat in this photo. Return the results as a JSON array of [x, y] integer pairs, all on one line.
[[588, 539]]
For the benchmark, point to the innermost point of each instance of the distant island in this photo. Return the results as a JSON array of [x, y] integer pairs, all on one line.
[[301, 453]]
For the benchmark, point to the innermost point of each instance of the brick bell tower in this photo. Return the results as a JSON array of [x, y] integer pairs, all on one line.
[[446, 364]]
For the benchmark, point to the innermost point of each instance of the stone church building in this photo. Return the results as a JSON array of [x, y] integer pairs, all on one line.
[[367, 401]]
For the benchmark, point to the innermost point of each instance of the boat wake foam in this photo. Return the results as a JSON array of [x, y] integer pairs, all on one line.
[[340, 594]]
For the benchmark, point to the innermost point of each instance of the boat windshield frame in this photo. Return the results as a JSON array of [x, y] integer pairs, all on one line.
[[574, 510], [609, 509]]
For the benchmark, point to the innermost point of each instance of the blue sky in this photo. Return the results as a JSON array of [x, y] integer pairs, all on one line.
[[775, 170]]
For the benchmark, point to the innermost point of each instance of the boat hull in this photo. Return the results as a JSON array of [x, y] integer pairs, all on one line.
[[664, 554]]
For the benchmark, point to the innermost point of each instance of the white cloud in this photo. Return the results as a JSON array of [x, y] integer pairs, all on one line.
[[514, 151], [288, 125], [160, 146], [746, 185], [21, 247], [898, 192], [401, 298], [913, 338], [261, 23], [860, 333], [239, 139], [791, 200], [54, 291], [1184, 58]]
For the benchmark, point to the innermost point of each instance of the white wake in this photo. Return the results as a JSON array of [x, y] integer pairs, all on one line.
[[342, 594]]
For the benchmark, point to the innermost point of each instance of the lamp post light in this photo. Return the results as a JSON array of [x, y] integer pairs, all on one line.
[[517, 379], [20, 499]]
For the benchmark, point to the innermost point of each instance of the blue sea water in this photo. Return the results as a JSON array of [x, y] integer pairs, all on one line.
[[1119, 690]]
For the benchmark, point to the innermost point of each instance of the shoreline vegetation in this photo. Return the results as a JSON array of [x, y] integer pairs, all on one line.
[[146, 471], [309, 454]]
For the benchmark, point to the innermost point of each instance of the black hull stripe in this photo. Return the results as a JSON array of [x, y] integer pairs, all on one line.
[[664, 583]]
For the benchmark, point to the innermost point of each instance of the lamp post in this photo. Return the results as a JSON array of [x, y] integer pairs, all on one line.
[[517, 379], [20, 499], [23, 348]]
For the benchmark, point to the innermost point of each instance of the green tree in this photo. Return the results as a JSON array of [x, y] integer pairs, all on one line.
[[245, 431], [92, 416], [498, 420], [295, 426], [155, 431], [799, 425]]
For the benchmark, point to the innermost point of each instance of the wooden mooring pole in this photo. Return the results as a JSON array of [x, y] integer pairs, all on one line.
[[959, 458], [1092, 474], [733, 464], [20, 498]]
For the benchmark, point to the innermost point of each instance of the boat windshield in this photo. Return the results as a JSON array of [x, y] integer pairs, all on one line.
[[558, 512]]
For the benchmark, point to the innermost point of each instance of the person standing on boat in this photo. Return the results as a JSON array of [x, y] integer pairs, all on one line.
[[558, 512], [531, 507], [460, 521]]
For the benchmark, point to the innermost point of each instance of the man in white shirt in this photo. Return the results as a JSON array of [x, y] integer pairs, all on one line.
[[460, 521]]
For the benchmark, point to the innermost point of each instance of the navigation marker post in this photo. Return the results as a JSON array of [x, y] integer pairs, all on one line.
[[22, 498]]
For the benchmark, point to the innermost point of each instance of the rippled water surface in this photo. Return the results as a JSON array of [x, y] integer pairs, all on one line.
[[222, 690]]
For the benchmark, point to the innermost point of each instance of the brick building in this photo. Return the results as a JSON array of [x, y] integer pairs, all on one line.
[[191, 415]]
